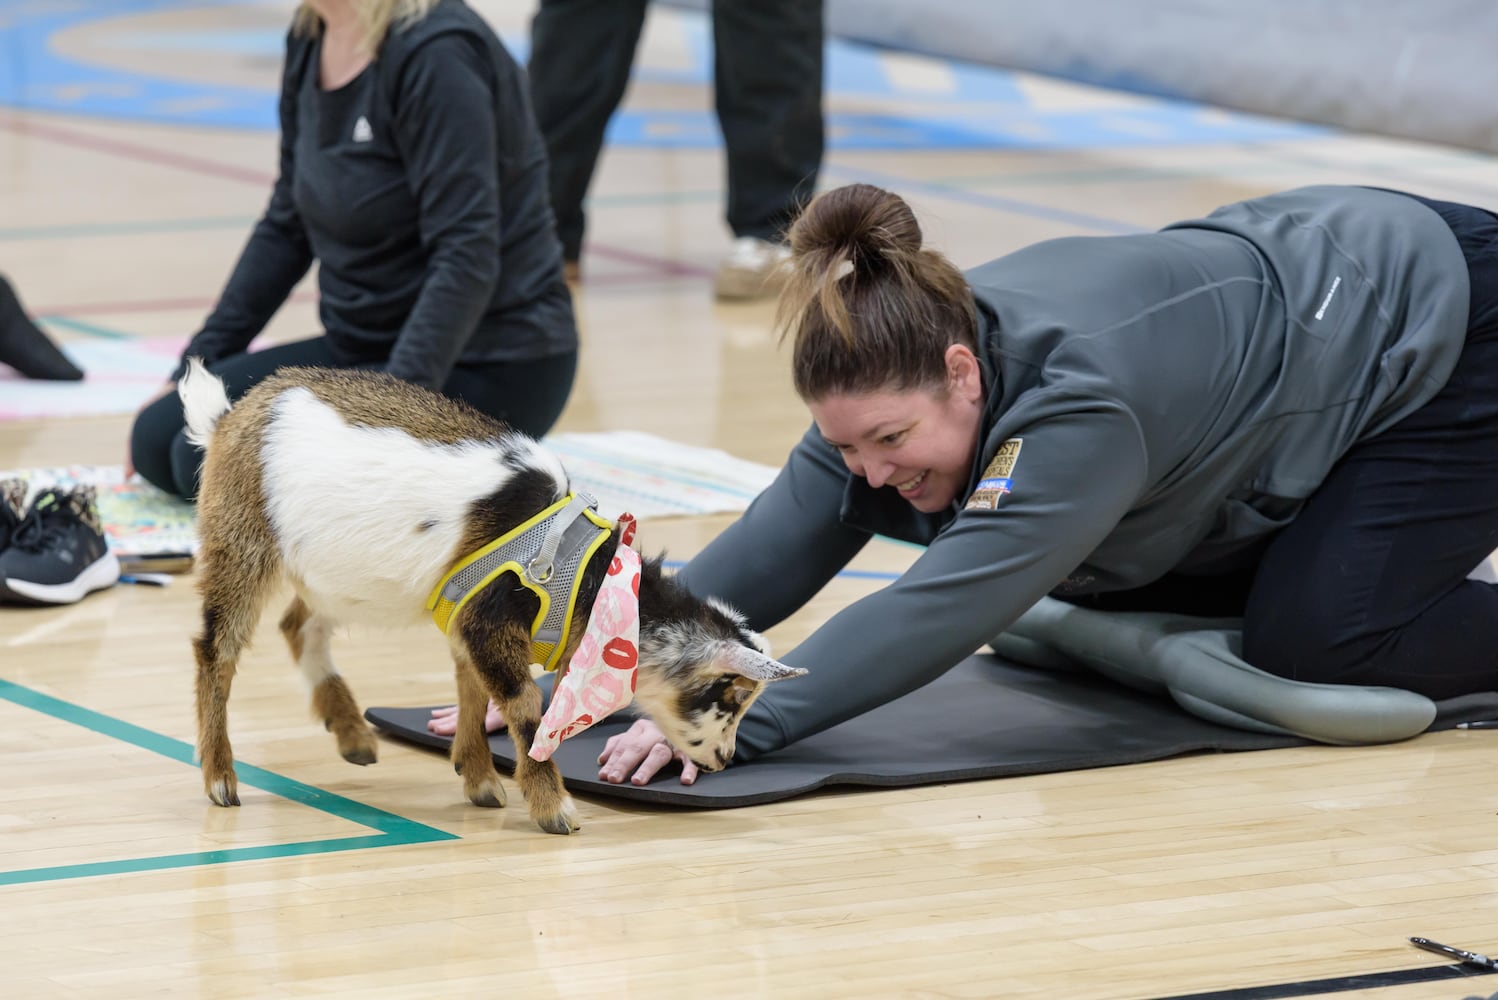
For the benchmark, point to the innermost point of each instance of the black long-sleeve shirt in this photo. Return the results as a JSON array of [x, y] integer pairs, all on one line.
[[420, 189]]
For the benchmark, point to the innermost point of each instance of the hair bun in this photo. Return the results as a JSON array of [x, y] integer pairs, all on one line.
[[858, 222]]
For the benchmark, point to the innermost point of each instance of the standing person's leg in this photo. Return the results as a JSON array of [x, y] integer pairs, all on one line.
[[769, 100], [1368, 584], [159, 447], [581, 54], [527, 395]]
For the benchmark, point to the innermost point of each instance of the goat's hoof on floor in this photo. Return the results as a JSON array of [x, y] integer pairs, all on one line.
[[363, 756], [564, 821], [223, 791], [357, 747], [488, 793]]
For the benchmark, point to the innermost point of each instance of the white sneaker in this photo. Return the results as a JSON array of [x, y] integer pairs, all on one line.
[[755, 270]]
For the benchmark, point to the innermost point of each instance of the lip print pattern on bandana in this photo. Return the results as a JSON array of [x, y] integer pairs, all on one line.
[[601, 675], [997, 478]]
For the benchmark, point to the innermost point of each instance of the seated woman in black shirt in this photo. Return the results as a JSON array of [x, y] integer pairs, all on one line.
[[412, 172]]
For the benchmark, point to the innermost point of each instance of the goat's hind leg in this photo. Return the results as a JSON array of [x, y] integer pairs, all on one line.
[[309, 634], [234, 587]]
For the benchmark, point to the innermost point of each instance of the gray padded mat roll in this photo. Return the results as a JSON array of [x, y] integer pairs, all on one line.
[[986, 718]]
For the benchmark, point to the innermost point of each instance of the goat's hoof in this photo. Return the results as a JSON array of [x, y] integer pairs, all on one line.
[[563, 822], [363, 756], [357, 745], [488, 793], [223, 791]]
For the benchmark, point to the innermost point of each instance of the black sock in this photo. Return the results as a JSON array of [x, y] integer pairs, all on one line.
[[25, 347]]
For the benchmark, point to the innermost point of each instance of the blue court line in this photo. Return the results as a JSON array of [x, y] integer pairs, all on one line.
[[1014, 206], [851, 574], [392, 830]]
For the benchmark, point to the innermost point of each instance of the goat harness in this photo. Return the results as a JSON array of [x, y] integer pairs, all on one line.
[[546, 554]]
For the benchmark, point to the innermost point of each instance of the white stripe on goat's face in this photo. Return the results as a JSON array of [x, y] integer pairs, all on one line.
[[699, 676], [747, 634]]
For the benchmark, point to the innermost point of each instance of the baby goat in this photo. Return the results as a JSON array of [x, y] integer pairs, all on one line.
[[365, 492]]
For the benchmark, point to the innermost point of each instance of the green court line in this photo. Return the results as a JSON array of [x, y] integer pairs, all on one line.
[[93, 330], [393, 830], [138, 227]]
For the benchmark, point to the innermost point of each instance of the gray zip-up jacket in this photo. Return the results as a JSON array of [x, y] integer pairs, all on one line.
[[1156, 402]]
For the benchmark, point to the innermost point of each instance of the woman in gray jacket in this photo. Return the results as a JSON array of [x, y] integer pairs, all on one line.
[[1286, 411]]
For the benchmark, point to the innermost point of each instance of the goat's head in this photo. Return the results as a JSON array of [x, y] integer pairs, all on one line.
[[701, 667]]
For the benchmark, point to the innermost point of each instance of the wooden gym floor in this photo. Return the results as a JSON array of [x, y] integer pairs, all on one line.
[[136, 148]]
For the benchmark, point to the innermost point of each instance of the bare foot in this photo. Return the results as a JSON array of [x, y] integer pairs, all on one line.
[[444, 721]]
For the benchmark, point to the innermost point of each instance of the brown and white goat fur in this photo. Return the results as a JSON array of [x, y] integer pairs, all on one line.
[[364, 491]]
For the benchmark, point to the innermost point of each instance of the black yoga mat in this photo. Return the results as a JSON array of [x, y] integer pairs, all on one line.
[[986, 718]]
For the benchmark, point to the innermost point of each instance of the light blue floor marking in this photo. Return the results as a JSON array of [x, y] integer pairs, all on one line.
[[392, 830], [971, 106]]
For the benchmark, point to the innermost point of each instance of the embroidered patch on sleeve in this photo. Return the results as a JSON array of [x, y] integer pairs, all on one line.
[[997, 479]]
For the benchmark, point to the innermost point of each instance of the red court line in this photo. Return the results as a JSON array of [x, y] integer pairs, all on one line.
[[213, 168], [666, 264], [135, 151], [202, 304]]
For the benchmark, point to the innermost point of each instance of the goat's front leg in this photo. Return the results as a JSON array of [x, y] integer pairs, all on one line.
[[308, 635], [500, 656], [470, 751]]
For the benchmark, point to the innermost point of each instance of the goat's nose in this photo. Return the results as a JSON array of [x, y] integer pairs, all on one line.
[[723, 758]]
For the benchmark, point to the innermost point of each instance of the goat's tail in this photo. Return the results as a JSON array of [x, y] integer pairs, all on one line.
[[204, 401]]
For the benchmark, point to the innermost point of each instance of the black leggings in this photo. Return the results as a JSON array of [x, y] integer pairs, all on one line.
[[1368, 584], [527, 395]]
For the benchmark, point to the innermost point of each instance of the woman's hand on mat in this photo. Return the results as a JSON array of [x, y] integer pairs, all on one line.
[[641, 748], [444, 721]]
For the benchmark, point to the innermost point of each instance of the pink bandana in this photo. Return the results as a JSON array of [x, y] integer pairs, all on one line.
[[600, 677]]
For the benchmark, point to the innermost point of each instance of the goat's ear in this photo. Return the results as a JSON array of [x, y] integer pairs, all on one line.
[[754, 665]]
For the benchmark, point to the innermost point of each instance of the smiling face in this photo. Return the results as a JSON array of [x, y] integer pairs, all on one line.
[[919, 442]]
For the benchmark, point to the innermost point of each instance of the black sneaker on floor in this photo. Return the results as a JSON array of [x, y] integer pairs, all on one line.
[[58, 554], [12, 508]]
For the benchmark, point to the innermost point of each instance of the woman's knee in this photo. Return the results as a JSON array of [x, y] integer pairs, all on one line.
[[1304, 645], [152, 436]]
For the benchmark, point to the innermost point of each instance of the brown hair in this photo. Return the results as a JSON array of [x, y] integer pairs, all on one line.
[[867, 306]]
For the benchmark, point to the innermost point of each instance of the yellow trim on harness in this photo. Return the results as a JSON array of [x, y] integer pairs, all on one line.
[[445, 610]]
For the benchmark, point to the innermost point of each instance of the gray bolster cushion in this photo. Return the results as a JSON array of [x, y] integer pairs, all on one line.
[[1196, 661]]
